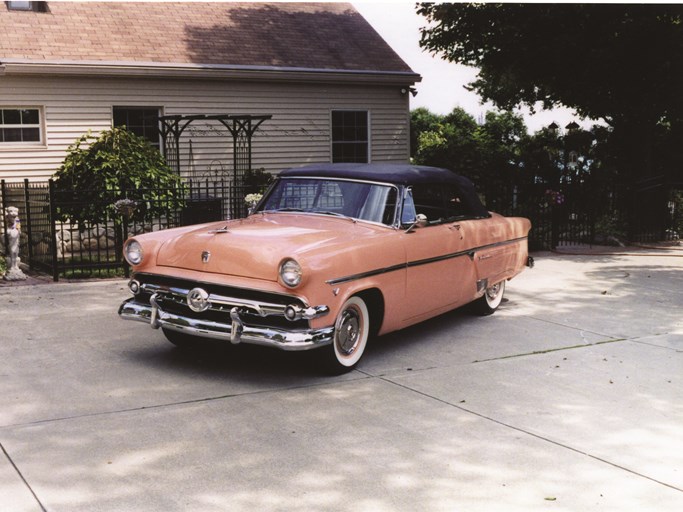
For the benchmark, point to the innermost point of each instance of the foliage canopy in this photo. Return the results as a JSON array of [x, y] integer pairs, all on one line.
[[484, 152], [609, 61], [619, 62]]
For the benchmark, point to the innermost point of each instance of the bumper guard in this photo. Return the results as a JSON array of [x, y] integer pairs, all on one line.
[[236, 331]]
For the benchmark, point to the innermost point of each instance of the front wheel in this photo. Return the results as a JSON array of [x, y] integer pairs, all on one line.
[[351, 332], [491, 299]]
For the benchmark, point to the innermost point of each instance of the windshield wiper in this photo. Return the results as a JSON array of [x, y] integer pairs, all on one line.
[[275, 210], [319, 212], [335, 214]]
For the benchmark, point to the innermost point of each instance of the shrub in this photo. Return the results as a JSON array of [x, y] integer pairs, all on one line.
[[611, 229], [99, 171]]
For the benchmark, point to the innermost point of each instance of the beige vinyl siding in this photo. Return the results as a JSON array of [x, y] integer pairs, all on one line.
[[298, 133]]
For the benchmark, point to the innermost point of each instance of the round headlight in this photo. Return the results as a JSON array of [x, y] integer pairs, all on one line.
[[133, 252], [291, 273]]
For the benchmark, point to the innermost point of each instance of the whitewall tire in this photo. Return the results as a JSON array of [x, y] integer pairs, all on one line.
[[351, 332]]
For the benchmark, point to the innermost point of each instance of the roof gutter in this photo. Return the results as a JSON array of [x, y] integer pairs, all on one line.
[[208, 71]]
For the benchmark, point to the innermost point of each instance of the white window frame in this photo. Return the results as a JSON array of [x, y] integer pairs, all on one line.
[[369, 128], [40, 126]]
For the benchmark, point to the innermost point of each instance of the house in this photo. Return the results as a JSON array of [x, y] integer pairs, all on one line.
[[334, 88]]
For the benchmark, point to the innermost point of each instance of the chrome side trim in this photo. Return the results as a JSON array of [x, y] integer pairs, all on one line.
[[369, 273], [236, 331], [499, 244], [468, 252]]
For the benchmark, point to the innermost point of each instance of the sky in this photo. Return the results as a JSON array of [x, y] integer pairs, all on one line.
[[442, 86]]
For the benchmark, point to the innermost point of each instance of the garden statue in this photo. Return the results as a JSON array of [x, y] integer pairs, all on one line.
[[13, 230]]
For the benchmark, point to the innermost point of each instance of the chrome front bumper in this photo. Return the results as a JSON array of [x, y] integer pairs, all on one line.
[[236, 331]]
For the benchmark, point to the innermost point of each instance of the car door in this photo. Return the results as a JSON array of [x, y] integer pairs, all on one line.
[[440, 272]]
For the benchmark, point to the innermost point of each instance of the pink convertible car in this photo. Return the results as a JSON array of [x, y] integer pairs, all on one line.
[[332, 255]]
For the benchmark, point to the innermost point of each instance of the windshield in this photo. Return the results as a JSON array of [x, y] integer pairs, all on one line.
[[364, 201]]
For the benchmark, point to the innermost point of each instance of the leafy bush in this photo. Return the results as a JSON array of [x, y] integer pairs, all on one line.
[[256, 181], [99, 171]]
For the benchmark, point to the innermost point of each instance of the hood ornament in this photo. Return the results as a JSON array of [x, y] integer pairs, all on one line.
[[224, 229], [206, 256]]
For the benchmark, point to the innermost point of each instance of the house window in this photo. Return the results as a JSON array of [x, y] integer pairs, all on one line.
[[20, 125], [350, 136], [27, 6], [142, 121]]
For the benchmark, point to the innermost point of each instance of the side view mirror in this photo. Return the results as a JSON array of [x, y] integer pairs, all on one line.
[[420, 222]]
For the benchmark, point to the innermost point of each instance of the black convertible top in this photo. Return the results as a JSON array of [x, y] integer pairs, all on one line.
[[398, 174]]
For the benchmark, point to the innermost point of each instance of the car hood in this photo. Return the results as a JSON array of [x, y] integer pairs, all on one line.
[[255, 247]]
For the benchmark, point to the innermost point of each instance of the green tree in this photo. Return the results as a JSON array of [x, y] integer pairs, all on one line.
[[552, 159], [499, 142], [98, 171], [421, 120], [621, 63], [486, 153], [543, 156], [448, 141]]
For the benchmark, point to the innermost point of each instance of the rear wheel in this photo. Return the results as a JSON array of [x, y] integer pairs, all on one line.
[[351, 332], [491, 299]]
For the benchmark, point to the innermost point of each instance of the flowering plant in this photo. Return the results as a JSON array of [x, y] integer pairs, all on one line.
[[252, 199], [554, 198], [125, 207]]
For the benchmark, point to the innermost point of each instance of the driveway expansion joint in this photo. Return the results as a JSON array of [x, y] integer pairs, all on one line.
[[23, 479], [532, 434], [164, 405], [550, 350]]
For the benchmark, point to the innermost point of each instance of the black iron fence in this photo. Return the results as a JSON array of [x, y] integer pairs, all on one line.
[[591, 212], [572, 213], [52, 242]]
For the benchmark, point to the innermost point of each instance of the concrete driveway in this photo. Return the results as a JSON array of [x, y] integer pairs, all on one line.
[[569, 398]]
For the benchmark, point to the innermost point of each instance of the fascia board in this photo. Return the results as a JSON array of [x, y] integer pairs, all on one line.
[[216, 72]]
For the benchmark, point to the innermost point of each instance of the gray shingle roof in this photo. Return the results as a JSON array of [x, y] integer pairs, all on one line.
[[325, 36]]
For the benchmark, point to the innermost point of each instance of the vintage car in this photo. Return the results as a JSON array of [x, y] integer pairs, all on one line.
[[332, 255]]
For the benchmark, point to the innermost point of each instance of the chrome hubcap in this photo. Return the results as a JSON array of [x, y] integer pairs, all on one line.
[[348, 331], [492, 292]]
